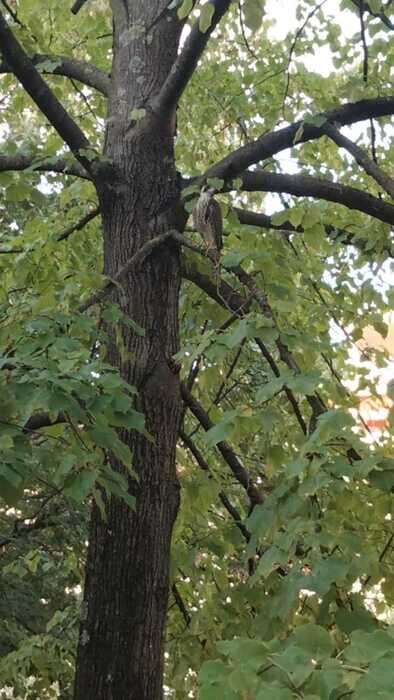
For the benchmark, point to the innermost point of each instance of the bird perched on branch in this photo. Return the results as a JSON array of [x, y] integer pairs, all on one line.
[[207, 220]]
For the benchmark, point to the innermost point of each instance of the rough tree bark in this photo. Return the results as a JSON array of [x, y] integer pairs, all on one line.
[[120, 654]]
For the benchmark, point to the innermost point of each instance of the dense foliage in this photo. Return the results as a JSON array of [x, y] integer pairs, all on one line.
[[282, 556]]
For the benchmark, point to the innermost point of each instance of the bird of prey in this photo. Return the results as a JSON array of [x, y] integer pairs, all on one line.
[[207, 220]]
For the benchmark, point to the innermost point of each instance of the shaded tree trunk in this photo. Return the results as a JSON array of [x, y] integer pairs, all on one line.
[[120, 654]]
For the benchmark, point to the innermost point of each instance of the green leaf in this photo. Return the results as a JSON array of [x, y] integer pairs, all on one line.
[[367, 647], [378, 683], [185, 8], [136, 115], [48, 66], [315, 640], [215, 182], [296, 663], [232, 259], [206, 14], [304, 383], [295, 216], [253, 12], [220, 431], [77, 486], [315, 120], [280, 217]]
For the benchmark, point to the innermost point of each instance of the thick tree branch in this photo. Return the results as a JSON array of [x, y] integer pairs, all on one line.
[[269, 144], [42, 164], [362, 158], [229, 456], [218, 289], [68, 67], [41, 94], [306, 186], [256, 219], [179, 600], [202, 463], [186, 63]]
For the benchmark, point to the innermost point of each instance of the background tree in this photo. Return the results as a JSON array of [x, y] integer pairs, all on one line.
[[283, 542]]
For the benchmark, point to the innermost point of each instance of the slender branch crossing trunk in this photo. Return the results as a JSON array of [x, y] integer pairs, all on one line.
[[120, 654]]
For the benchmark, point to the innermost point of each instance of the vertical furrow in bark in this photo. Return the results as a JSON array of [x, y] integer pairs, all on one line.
[[120, 654]]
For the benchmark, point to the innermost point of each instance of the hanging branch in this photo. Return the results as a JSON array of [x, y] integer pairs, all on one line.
[[203, 464], [362, 9], [228, 374], [41, 94], [229, 456], [85, 73], [306, 186], [180, 603], [186, 63], [362, 158], [79, 225], [276, 141], [289, 394]]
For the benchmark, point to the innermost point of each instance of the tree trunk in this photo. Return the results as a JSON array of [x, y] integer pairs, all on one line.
[[120, 653]]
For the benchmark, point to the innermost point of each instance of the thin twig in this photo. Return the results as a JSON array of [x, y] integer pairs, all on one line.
[[382, 555], [361, 158], [229, 372], [79, 225], [241, 22], [292, 49], [203, 464], [363, 41]]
